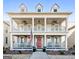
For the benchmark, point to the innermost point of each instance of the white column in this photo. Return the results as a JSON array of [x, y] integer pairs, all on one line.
[[33, 24], [11, 25], [45, 31], [66, 43], [66, 24], [45, 40], [66, 34], [33, 31], [45, 24], [11, 43]]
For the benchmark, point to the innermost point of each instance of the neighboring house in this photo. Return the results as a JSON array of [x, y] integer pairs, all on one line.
[[6, 34], [38, 29], [71, 35]]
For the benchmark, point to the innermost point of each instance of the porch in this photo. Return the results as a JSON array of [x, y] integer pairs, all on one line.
[[24, 25], [52, 42]]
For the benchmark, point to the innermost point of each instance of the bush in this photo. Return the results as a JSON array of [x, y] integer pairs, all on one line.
[[19, 52], [62, 52], [44, 49]]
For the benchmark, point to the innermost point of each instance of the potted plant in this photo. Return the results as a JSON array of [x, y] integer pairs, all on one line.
[[34, 49], [44, 49]]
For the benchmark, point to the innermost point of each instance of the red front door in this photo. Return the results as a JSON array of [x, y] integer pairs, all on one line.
[[39, 45]]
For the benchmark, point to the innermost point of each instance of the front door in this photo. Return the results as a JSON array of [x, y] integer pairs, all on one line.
[[39, 42]]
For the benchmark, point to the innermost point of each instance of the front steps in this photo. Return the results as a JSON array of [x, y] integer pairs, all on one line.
[[39, 55]]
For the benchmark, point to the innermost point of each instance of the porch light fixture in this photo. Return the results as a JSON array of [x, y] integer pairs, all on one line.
[[25, 22], [54, 22], [39, 21]]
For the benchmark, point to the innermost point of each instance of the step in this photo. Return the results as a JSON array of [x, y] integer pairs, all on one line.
[[39, 55]]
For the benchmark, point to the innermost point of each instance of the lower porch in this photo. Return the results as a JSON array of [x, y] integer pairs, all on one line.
[[48, 42]]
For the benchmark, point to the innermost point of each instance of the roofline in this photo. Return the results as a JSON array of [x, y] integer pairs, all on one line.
[[53, 6], [24, 5], [56, 4], [39, 13], [39, 4]]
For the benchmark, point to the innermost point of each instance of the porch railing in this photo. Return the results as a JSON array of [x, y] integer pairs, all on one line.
[[48, 29], [18, 30], [55, 46], [21, 46], [56, 29], [39, 30]]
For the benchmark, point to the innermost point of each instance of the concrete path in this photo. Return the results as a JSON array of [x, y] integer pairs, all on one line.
[[39, 55]]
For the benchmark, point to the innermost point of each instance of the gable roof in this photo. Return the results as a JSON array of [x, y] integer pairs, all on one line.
[[38, 5]]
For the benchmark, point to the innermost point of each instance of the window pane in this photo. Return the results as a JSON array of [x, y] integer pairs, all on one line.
[[55, 10], [39, 10]]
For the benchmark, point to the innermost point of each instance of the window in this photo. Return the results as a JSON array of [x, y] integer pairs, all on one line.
[[22, 10], [39, 10], [25, 39], [6, 40], [55, 10], [6, 31], [22, 39], [49, 42], [56, 40], [18, 38]]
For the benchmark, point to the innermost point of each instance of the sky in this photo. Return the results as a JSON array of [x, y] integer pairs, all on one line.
[[65, 5]]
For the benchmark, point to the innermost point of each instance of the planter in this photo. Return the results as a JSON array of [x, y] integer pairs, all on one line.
[[34, 49], [44, 49]]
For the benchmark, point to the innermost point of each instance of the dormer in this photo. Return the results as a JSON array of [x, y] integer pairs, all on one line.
[[23, 8], [55, 8], [39, 8]]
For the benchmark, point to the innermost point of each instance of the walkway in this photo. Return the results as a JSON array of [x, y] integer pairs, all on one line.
[[39, 55]]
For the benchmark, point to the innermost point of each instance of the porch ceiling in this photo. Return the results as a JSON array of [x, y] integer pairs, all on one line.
[[29, 20], [51, 20], [22, 20]]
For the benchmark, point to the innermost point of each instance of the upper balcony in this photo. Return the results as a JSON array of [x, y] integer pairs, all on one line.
[[42, 29], [52, 25]]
